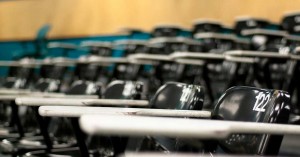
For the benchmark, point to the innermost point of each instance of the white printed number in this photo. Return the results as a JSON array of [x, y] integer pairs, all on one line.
[[261, 102], [185, 94]]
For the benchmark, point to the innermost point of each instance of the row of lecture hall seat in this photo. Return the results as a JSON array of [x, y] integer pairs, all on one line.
[[217, 93]]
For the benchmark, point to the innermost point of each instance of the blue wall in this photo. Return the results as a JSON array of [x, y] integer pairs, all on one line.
[[9, 49]]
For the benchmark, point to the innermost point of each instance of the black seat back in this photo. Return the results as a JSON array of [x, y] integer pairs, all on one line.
[[127, 71], [20, 76], [249, 23], [84, 88], [217, 42], [104, 50], [269, 71], [291, 23], [47, 85], [166, 70], [53, 71], [206, 26], [176, 96], [180, 96], [268, 42], [88, 71], [251, 104], [119, 89], [166, 31]]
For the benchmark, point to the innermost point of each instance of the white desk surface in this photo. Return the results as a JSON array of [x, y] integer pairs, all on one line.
[[77, 111], [79, 101], [153, 126], [198, 55], [261, 54], [176, 154], [178, 127]]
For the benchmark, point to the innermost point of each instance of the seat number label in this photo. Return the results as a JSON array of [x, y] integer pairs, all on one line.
[[261, 102], [185, 94]]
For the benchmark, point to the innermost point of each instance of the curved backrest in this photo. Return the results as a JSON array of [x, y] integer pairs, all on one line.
[[24, 72], [101, 51], [134, 46], [165, 31], [47, 85], [249, 23], [180, 96], [291, 22], [174, 96], [207, 27], [52, 71], [195, 47], [251, 104], [88, 71], [84, 87], [123, 90], [125, 71], [117, 89], [168, 71], [268, 42], [19, 77], [217, 44], [167, 46]]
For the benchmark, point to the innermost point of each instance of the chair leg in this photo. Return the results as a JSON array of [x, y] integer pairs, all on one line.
[[80, 137], [16, 118]]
